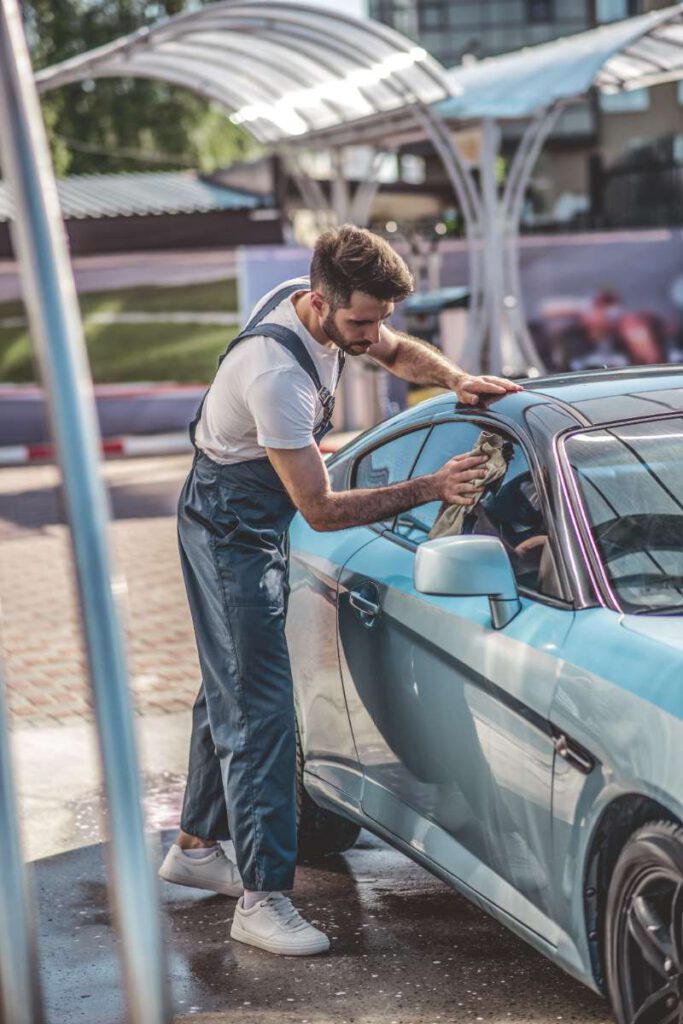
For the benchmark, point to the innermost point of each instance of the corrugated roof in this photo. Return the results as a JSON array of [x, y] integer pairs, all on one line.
[[137, 195]]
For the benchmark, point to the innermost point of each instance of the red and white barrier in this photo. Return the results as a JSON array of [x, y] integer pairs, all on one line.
[[134, 445], [154, 444]]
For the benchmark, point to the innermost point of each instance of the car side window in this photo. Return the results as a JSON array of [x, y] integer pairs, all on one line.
[[390, 463], [509, 508], [445, 441]]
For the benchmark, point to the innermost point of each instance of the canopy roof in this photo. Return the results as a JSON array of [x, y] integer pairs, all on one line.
[[625, 55], [290, 71], [282, 69]]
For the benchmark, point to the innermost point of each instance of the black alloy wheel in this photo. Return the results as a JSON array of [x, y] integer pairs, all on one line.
[[644, 927]]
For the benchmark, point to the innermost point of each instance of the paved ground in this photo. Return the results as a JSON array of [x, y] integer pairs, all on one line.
[[39, 632], [405, 950]]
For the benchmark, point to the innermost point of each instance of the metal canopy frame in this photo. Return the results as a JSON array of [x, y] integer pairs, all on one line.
[[386, 92], [281, 69]]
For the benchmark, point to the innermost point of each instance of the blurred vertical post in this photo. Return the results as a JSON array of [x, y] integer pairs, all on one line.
[[494, 246], [20, 997], [57, 334]]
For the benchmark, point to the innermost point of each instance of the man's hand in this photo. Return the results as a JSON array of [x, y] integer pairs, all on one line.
[[418, 362], [469, 388], [460, 480]]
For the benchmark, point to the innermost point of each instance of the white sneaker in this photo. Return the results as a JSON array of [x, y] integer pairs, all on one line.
[[215, 872], [277, 926]]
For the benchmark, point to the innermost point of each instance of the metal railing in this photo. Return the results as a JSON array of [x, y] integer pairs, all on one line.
[[57, 334]]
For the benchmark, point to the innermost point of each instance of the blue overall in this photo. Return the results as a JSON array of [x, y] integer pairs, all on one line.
[[232, 531]]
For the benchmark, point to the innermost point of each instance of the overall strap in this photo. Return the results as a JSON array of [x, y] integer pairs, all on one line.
[[292, 342], [295, 346], [279, 296], [301, 284]]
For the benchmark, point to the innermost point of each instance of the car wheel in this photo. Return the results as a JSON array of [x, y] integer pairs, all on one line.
[[320, 832], [644, 928]]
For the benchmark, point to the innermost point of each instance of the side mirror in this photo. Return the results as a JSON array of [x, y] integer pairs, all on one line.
[[470, 566]]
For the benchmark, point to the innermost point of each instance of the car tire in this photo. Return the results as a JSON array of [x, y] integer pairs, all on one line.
[[644, 927], [320, 832]]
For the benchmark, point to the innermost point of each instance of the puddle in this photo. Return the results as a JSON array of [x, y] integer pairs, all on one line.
[[163, 797]]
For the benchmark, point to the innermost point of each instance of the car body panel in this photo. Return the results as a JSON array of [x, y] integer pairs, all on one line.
[[569, 708], [433, 848], [453, 716], [316, 560]]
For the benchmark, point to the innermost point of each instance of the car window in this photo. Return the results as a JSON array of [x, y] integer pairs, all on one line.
[[509, 508], [446, 440], [390, 463], [631, 481]]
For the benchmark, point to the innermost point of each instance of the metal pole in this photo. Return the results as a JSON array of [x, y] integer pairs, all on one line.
[[469, 199], [493, 281], [519, 176], [20, 995], [366, 192], [57, 334], [339, 187]]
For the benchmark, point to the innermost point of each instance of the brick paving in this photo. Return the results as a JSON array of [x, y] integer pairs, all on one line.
[[40, 640]]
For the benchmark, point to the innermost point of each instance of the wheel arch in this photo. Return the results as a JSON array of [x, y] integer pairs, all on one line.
[[618, 821]]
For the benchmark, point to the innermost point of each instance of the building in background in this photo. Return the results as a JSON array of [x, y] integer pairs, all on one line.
[[107, 213], [612, 161]]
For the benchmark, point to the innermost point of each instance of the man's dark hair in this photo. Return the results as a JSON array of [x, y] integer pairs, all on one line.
[[349, 259]]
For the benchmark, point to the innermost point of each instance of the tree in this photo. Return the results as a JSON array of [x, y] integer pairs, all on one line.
[[122, 124]]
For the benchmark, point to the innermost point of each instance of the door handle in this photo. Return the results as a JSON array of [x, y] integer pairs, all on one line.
[[363, 605]]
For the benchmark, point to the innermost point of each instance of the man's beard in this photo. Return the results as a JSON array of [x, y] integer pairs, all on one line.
[[352, 348]]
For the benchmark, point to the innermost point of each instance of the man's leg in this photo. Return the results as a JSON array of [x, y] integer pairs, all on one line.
[[248, 693], [244, 723], [204, 819], [256, 741], [260, 780], [196, 859]]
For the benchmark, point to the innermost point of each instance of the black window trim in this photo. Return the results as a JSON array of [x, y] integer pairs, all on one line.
[[566, 603]]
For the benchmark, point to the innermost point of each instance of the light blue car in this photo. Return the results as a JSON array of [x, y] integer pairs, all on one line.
[[498, 692]]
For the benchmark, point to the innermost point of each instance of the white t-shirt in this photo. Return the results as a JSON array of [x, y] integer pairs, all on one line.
[[261, 397]]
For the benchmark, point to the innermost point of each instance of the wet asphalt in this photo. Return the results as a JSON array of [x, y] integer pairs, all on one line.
[[406, 949]]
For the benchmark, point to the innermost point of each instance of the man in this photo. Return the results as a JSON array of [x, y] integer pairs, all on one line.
[[257, 462]]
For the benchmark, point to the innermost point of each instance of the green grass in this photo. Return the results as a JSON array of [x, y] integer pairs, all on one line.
[[210, 296], [185, 353]]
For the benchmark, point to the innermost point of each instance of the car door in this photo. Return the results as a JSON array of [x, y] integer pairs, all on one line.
[[316, 560], [449, 715]]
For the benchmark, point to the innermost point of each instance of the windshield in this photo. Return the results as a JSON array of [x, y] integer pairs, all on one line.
[[631, 481]]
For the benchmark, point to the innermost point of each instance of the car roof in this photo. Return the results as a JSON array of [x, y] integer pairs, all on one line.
[[593, 397]]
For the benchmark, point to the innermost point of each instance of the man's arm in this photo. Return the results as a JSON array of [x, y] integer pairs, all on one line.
[[419, 362], [304, 474]]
